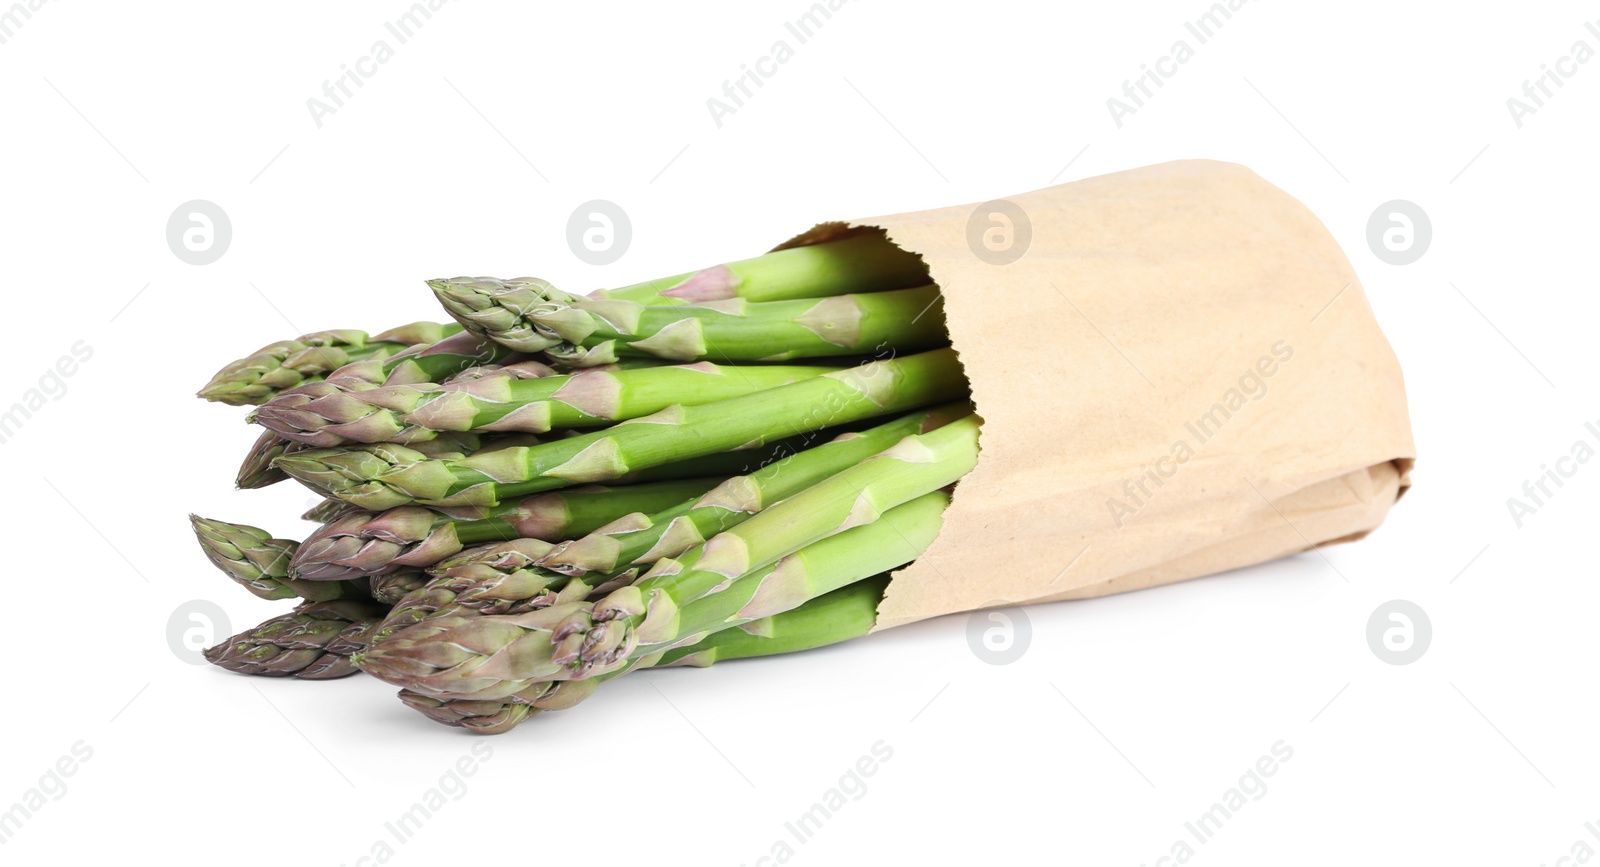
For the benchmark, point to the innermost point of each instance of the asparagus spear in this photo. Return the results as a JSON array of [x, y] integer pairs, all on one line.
[[601, 332], [314, 642], [457, 448], [384, 476], [843, 614], [487, 580], [260, 564], [391, 587], [499, 657], [329, 510], [257, 471], [480, 561], [299, 411], [721, 464], [585, 332], [735, 462], [458, 357], [641, 539], [487, 591], [788, 584], [368, 543], [478, 717], [498, 717], [288, 363], [648, 611], [838, 615], [492, 579], [511, 401], [862, 263], [499, 579], [441, 359], [448, 445]]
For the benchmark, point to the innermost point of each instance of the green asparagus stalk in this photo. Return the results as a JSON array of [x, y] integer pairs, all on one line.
[[863, 263], [603, 332], [721, 465], [499, 557], [261, 564], [288, 363], [488, 579], [788, 584], [366, 373], [496, 587], [329, 510], [391, 587], [498, 717], [447, 445], [380, 477], [340, 402], [833, 617], [501, 578], [511, 401], [478, 717], [257, 471], [314, 642], [640, 539], [586, 332], [500, 657], [866, 263], [846, 613], [368, 543], [463, 355], [442, 359], [647, 612], [734, 462]]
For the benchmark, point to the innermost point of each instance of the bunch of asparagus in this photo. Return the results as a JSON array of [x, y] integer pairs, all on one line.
[[558, 489]]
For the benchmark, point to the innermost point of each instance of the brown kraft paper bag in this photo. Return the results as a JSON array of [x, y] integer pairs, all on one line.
[[1179, 376]]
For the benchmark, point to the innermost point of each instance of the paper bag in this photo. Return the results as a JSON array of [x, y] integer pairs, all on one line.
[[1178, 374]]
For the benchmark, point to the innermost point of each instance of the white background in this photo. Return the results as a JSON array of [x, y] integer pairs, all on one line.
[[467, 151]]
